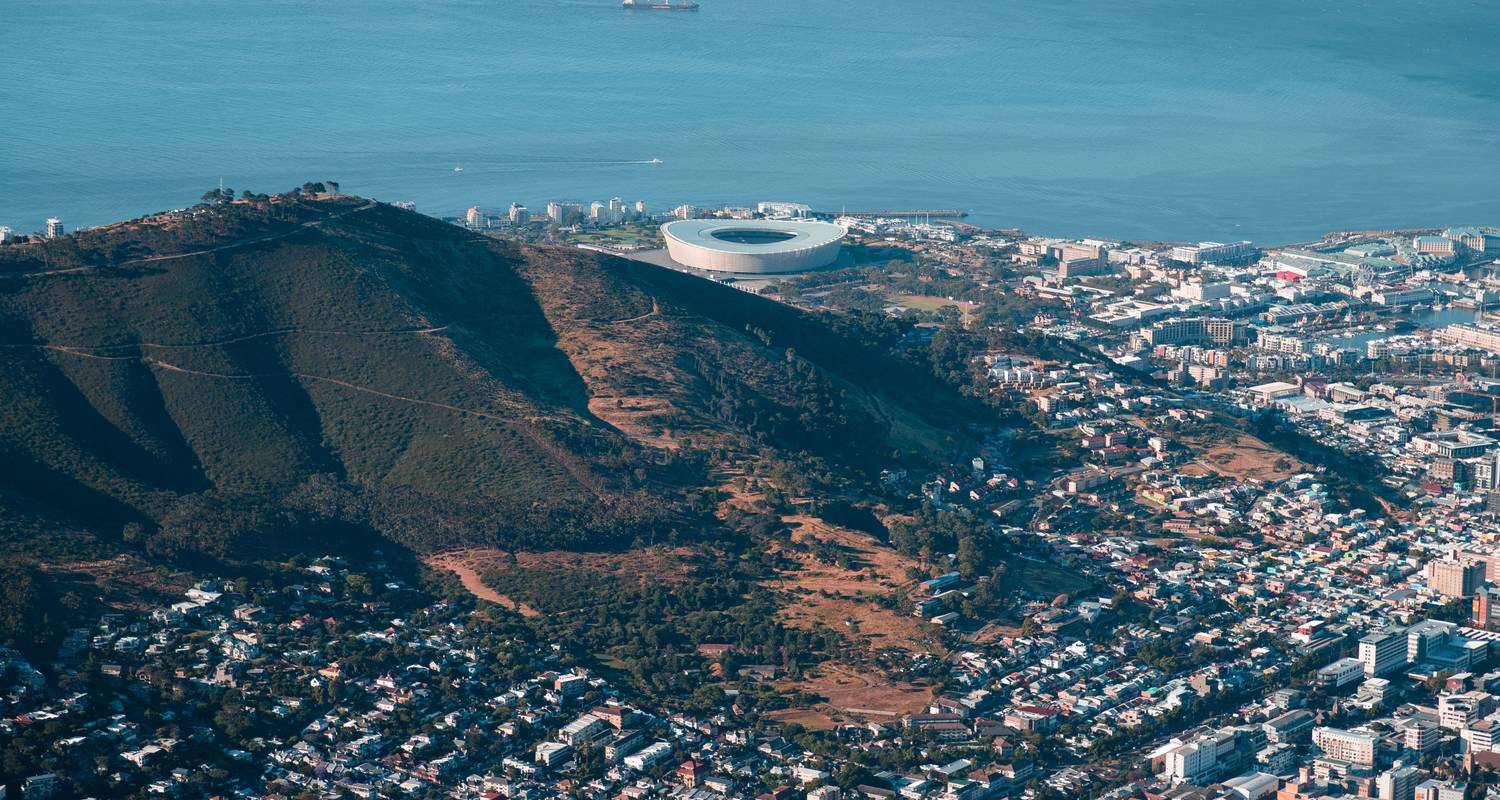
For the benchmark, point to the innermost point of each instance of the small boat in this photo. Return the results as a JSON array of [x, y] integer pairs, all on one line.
[[458, 167], [653, 162], [661, 5]]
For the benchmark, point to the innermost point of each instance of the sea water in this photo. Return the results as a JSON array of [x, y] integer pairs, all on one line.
[[1272, 120]]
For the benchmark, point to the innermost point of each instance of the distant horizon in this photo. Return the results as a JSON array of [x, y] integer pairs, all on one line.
[[1164, 122], [537, 208]]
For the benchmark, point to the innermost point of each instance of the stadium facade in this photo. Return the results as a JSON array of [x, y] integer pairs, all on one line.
[[753, 247]]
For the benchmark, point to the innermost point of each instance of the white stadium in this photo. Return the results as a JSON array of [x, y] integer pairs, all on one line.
[[753, 247]]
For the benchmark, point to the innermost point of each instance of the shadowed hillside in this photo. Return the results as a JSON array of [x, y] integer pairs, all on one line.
[[342, 365]]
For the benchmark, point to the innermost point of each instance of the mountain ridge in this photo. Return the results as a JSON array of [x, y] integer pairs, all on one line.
[[463, 390]]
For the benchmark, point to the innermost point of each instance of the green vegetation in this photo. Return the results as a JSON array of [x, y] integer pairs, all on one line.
[[647, 628], [306, 372]]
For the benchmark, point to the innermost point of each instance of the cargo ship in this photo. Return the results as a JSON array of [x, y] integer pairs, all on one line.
[[661, 5]]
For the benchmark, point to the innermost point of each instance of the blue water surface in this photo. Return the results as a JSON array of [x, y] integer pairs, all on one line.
[[1272, 120]]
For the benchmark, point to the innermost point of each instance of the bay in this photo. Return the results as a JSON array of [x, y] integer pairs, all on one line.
[[1273, 120]]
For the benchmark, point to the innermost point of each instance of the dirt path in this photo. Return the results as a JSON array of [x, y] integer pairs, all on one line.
[[78, 349], [457, 564], [655, 309], [95, 351]]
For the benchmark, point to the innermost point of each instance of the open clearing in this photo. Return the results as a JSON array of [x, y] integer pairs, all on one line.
[[124, 583], [918, 302], [844, 598], [634, 416], [806, 717], [467, 564], [1045, 579], [1245, 458], [849, 693]]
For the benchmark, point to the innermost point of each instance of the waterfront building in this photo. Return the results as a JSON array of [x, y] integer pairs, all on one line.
[[1435, 246], [518, 214], [1402, 297], [1275, 342], [564, 213], [1483, 337], [54, 228], [1475, 239], [1195, 330], [1076, 259], [783, 210], [1213, 252]]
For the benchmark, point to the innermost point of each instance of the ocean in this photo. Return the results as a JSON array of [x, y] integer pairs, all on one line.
[[1273, 120]]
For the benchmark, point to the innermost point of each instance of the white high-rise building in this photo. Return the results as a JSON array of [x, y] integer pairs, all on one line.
[[54, 228], [1398, 783], [783, 210], [6, 233], [564, 213], [1382, 651], [1212, 252]]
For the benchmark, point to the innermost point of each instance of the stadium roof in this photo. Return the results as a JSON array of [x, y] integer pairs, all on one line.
[[754, 235]]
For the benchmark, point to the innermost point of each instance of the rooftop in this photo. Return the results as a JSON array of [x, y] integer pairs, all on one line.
[[754, 235]]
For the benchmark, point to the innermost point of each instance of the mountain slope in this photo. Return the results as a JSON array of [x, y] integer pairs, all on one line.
[[461, 389]]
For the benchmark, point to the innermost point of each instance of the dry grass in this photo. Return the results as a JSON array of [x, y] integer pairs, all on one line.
[[741, 491], [845, 598], [920, 302], [850, 693], [125, 582], [1245, 458], [806, 717], [1046, 579], [636, 418]]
